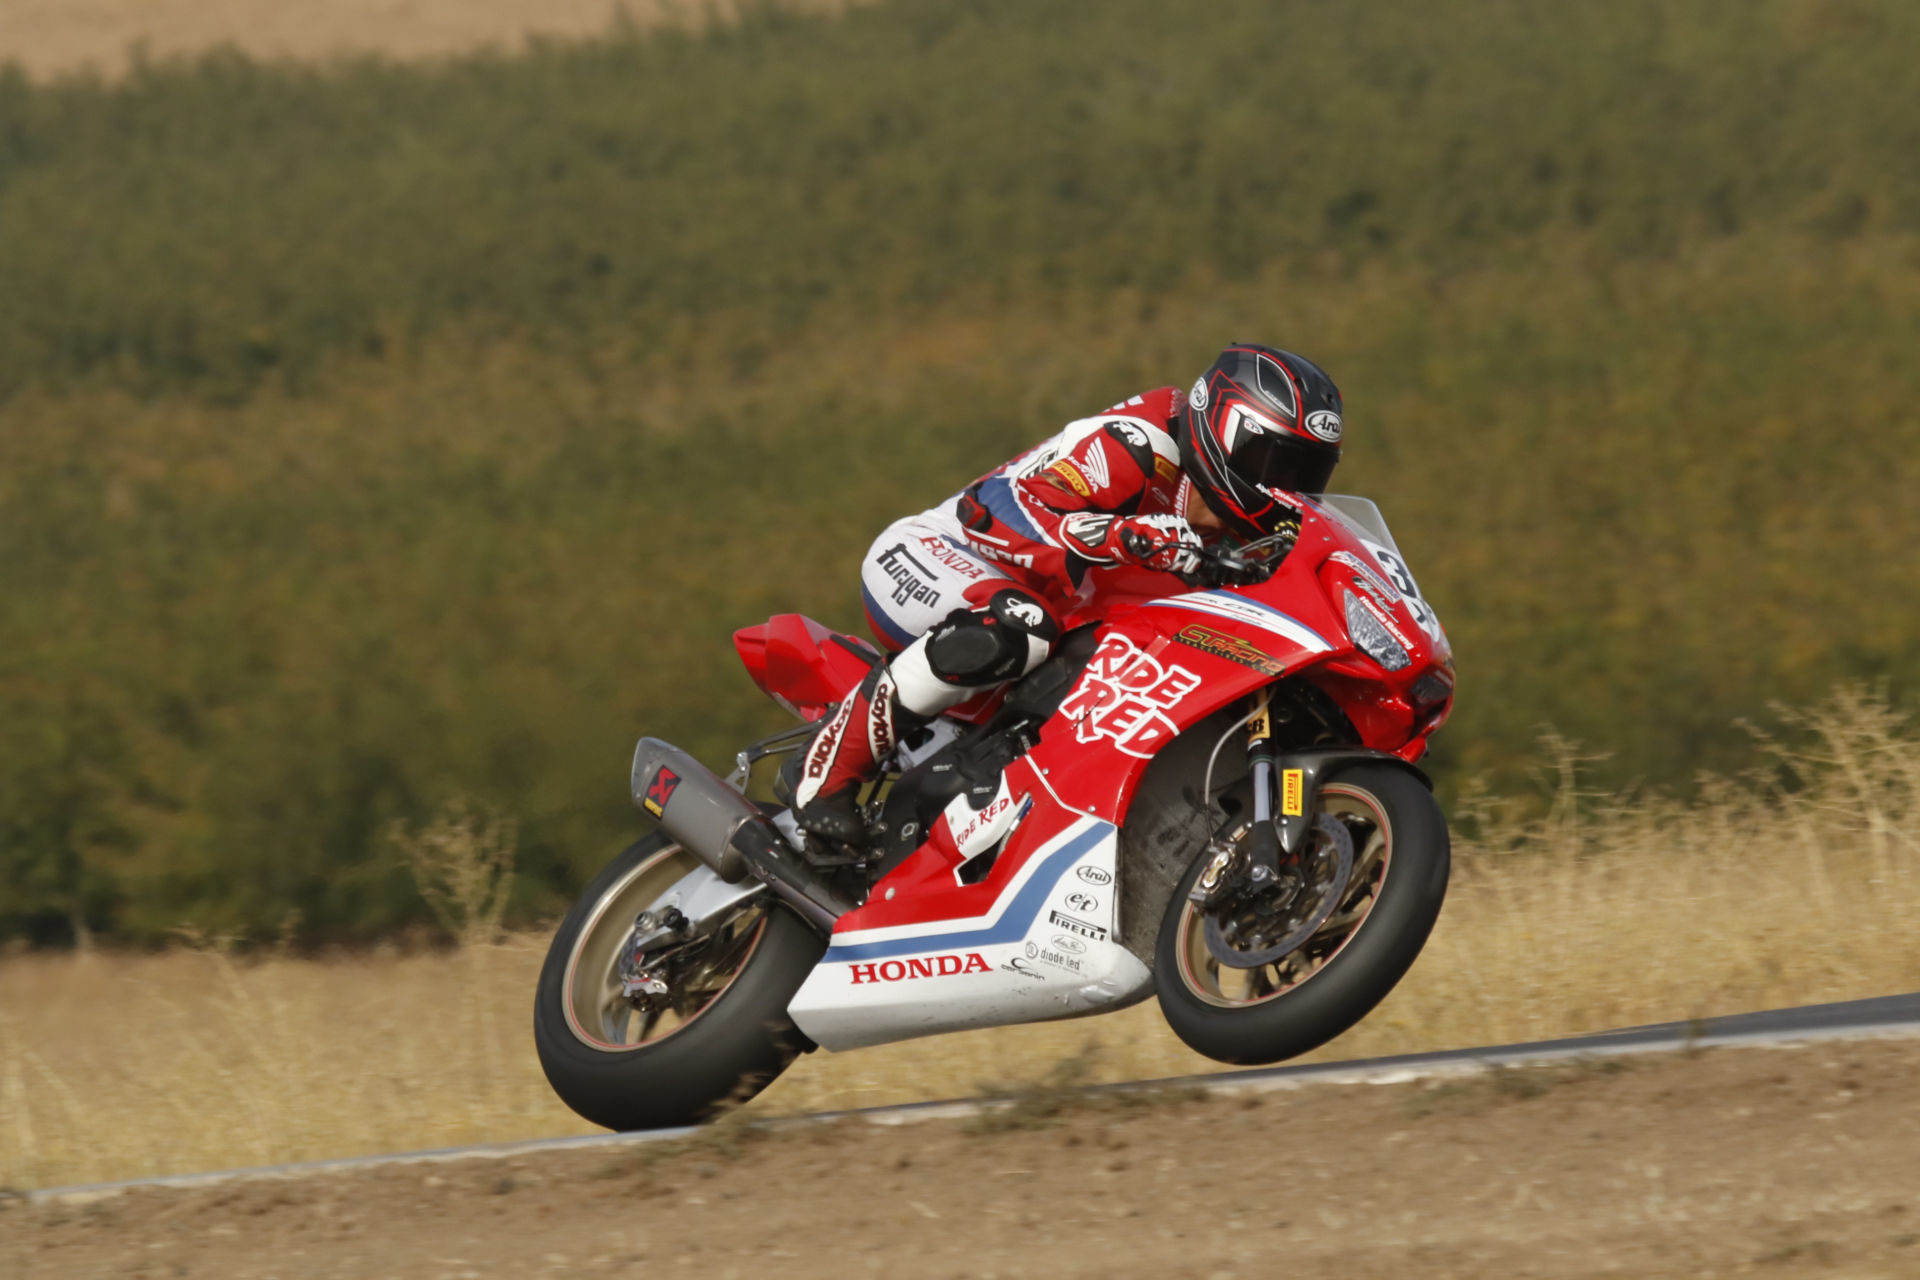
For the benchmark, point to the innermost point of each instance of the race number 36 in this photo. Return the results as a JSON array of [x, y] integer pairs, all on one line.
[[1402, 578]]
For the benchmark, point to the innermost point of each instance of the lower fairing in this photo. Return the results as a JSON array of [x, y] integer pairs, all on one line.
[[1045, 950]]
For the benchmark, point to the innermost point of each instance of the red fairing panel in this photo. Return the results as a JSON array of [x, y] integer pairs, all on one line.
[[926, 887]]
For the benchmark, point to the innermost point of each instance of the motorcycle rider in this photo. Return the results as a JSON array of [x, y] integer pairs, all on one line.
[[970, 593]]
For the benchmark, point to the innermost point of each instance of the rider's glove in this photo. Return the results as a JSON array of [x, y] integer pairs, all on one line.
[[1165, 543]]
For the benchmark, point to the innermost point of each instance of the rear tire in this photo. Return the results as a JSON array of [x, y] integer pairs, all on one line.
[[1265, 1015], [727, 1050]]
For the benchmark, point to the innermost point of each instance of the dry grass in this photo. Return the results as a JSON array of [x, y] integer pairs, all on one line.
[[1797, 885], [52, 37]]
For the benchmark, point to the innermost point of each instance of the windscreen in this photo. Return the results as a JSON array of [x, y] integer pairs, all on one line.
[[1359, 515]]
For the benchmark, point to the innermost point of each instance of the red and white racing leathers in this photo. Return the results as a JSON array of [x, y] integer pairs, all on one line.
[[1037, 522], [970, 594]]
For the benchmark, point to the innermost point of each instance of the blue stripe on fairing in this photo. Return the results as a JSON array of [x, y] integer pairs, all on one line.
[[887, 625], [1013, 923], [997, 496]]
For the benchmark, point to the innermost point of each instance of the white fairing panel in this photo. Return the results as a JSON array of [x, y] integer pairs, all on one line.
[[1045, 950]]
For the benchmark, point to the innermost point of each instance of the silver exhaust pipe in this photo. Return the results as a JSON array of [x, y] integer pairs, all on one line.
[[725, 830]]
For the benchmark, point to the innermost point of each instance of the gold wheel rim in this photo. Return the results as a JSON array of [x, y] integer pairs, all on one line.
[[1227, 988], [599, 1016]]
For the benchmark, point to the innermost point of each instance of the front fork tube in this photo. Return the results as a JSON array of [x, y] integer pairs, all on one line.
[[1264, 841], [1271, 839]]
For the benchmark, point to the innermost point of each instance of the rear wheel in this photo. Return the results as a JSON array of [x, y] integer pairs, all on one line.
[[719, 1032], [1366, 943]]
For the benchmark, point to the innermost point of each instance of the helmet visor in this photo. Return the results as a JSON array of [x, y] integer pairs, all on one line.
[[1282, 462]]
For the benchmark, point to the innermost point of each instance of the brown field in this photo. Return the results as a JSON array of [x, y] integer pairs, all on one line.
[[1603, 914], [49, 37], [1753, 1162]]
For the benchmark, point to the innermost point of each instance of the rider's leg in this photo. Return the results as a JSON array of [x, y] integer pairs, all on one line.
[[1007, 635]]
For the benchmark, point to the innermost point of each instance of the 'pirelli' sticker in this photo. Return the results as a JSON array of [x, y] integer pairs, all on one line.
[[1293, 792], [1069, 473]]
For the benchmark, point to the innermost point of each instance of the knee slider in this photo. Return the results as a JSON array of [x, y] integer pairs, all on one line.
[[968, 649], [1008, 638]]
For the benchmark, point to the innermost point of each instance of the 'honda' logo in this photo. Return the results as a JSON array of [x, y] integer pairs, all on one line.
[[920, 967]]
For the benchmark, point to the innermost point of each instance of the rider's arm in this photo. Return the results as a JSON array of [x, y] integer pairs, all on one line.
[[1088, 503], [1109, 470]]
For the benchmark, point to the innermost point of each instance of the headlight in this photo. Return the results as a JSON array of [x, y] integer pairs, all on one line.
[[1374, 639]]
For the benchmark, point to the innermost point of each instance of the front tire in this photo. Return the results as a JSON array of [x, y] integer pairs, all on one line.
[[1393, 896], [728, 1037]]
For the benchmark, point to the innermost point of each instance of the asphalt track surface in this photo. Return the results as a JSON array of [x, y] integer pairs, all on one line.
[[1884, 1016]]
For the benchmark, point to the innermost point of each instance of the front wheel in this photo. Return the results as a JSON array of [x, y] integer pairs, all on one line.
[[718, 1033], [1366, 944]]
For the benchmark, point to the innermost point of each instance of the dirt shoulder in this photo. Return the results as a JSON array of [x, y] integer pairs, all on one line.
[[1774, 1162], [48, 37]]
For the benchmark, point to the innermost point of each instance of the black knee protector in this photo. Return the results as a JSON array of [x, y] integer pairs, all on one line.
[[1008, 637]]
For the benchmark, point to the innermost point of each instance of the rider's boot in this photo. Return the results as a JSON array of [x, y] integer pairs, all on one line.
[[969, 650], [850, 750]]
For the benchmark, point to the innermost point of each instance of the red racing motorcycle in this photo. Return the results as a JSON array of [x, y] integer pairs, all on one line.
[[1208, 795]]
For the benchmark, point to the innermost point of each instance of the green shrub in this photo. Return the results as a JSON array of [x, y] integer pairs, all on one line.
[[373, 436]]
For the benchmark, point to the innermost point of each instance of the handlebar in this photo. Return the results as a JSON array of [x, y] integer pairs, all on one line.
[[1248, 563]]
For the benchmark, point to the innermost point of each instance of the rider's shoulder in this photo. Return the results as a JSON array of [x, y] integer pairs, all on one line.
[[1157, 407], [1145, 423]]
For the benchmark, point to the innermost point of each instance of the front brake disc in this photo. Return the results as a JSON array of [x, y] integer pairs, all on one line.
[[1332, 853]]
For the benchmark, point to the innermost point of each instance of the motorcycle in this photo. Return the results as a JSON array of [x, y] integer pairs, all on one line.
[[1208, 794]]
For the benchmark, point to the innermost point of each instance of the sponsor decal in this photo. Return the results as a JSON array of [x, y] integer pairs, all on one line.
[[938, 550], [1236, 608], [945, 966], [1198, 396], [1165, 469], [1094, 875], [1086, 902], [1071, 945], [1378, 596], [1293, 792], [826, 742], [1231, 647], [880, 718], [1055, 958], [1325, 423], [1242, 419], [1018, 559], [1094, 464], [1071, 925], [911, 579], [1385, 618], [1023, 967], [980, 831], [661, 790], [1367, 574], [1124, 696], [1068, 476]]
